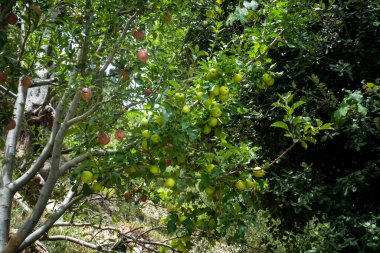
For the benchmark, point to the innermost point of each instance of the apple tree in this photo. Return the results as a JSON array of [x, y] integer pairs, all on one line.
[[109, 101]]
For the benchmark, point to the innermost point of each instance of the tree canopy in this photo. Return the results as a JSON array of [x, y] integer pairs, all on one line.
[[253, 123]]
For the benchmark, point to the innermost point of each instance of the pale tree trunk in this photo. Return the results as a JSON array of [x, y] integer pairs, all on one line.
[[6, 194]]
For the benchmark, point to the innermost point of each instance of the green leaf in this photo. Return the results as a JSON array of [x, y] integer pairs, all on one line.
[[280, 124], [304, 144], [298, 104], [362, 110]]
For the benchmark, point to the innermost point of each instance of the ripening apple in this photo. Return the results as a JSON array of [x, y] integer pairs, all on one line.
[[212, 122], [208, 102], [167, 161], [167, 18], [215, 91], [103, 138], [119, 134], [240, 185], [11, 18], [155, 138], [210, 168], [37, 179], [86, 176], [86, 94], [186, 109], [237, 78], [224, 90], [142, 55], [148, 92], [10, 125], [146, 133], [36, 11], [154, 169], [216, 112], [26, 82], [170, 182], [206, 129], [3, 77], [209, 190], [138, 34], [124, 73], [258, 172]]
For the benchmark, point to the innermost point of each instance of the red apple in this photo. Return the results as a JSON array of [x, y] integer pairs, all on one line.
[[148, 92], [3, 77], [167, 162], [86, 94], [119, 134], [11, 125], [124, 74], [138, 34], [37, 179], [26, 82], [11, 18], [103, 139], [142, 55]]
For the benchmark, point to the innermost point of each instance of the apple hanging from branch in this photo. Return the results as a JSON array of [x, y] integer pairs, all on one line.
[[86, 94], [142, 55], [11, 18], [138, 34], [103, 138]]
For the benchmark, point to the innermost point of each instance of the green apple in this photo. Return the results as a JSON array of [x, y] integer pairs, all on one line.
[[224, 97], [86, 176], [155, 138], [146, 133], [144, 145], [213, 72], [224, 90], [186, 109], [210, 168], [237, 78], [212, 122], [97, 187], [258, 172], [209, 190], [250, 183], [199, 95], [206, 129], [154, 169], [208, 102], [179, 96], [170, 182], [216, 112], [215, 91], [240, 185], [130, 170], [267, 79]]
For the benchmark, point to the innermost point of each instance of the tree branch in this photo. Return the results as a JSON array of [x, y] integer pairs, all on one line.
[[69, 239], [117, 44]]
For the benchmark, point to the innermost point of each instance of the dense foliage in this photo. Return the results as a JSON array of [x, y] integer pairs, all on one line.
[[235, 116]]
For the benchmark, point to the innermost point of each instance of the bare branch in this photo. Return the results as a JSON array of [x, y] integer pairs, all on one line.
[[7, 91], [43, 82], [70, 239]]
